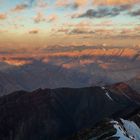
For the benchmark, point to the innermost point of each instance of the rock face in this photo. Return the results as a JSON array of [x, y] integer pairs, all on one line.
[[109, 129], [54, 114]]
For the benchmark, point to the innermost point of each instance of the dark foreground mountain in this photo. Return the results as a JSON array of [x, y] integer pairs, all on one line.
[[65, 113], [109, 129]]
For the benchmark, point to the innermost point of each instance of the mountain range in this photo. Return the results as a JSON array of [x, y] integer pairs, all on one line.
[[39, 74], [70, 66], [100, 112]]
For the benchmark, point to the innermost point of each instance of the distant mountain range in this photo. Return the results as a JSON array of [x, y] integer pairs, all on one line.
[[135, 83], [39, 74], [100, 112], [69, 67], [8, 84]]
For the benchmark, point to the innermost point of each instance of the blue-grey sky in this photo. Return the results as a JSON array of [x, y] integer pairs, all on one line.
[[69, 22]]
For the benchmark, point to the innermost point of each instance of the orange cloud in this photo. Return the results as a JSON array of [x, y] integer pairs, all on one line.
[[115, 2], [19, 59], [17, 62], [33, 32], [3, 16], [52, 18], [75, 3], [61, 3], [39, 17], [81, 2], [97, 52]]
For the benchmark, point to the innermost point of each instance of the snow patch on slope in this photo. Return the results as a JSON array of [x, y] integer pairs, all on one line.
[[131, 128], [120, 132], [107, 93]]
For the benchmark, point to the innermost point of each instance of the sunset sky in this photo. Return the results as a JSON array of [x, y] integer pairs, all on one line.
[[41, 23]]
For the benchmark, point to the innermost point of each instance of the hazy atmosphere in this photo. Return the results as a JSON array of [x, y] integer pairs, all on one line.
[[69, 69], [89, 42]]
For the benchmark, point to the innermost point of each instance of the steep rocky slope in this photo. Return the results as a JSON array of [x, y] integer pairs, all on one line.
[[113, 129], [54, 114]]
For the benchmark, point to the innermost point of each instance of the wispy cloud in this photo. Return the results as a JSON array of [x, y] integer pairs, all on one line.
[[115, 2], [52, 18], [72, 4], [66, 4], [20, 7], [108, 18], [30, 4], [40, 17]]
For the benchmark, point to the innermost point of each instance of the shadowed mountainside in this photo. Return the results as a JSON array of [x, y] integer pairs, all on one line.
[[53, 114]]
